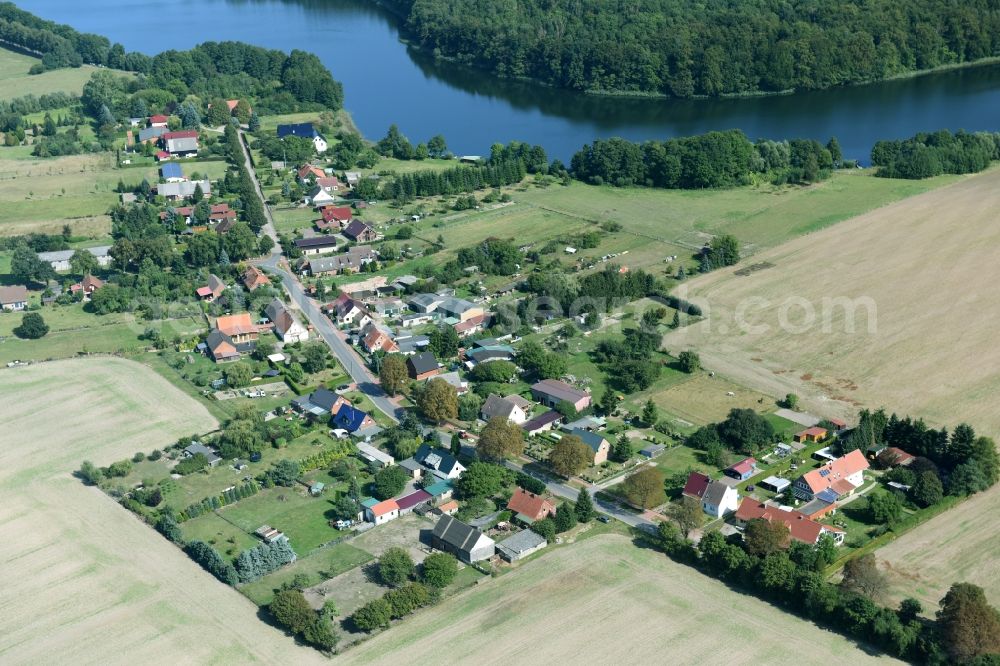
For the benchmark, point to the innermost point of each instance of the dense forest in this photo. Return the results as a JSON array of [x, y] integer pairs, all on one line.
[[683, 48]]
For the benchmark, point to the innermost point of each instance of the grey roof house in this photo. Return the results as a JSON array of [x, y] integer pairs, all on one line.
[[463, 541]]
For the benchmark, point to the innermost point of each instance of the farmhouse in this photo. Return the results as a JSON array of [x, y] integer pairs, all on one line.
[[375, 457], [463, 541], [800, 527], [813, 434], [353, 260], [14, 299], [333, 217], [529, 507], [375, 338], [437, 463], [597, 444], [696, 485], [253, 278], [321, 403], [422, 366], [380, 512], [551, 392], [316, 245], [513, 408], [183, 190], [59, 259], [742, 470], [541, 423], [181, 146], [473, 325], [834, 480], [354, 421], [348, 311], [359, 232], [212, 290], [319, 197], [194, 448], [717, 498], [240, 328], [286, 325], [308, 173], [221, 347], [304, 130], [151, 134], [521, 545], [453, 378]]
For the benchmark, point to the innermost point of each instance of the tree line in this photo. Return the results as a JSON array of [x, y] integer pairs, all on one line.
[[686, 49], [936, 153], [711, 160]]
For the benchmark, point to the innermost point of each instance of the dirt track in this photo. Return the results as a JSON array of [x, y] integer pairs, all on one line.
[[929, 265], [84, 581]]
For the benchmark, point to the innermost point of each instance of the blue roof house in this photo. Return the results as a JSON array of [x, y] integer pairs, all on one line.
[[351, 419], [171, 172]]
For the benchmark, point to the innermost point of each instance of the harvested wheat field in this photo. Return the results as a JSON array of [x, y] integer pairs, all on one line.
[[84, 581], [958, 546], [928, 265], [602, 601]]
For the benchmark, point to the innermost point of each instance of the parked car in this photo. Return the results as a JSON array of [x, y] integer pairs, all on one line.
[[604, 519]]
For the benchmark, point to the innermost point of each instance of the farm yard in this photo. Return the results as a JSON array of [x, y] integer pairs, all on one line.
[[599, 600], [77, 588], [921, 262], [958, 545]]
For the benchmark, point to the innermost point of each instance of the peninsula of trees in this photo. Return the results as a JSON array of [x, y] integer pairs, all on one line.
[[686, 48]]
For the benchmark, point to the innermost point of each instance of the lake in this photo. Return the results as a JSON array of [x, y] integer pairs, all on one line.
[[387, 82]]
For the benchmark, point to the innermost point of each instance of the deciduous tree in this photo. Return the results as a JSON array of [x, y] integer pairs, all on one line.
[[570, 456], [392, 374], [644, 488], [500, 439], [438, 400]]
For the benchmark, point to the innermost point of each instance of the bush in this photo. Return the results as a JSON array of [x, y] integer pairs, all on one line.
[[195, 463], [32, 327]]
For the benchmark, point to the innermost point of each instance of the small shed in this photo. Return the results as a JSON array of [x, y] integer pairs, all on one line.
[[652, 450], [775, 484], [521, 545], [317, 488]]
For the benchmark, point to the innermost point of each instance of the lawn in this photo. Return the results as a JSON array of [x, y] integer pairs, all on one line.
[[74, 331], [16, 82], [321, 564], [303, 518], [42, 195]]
